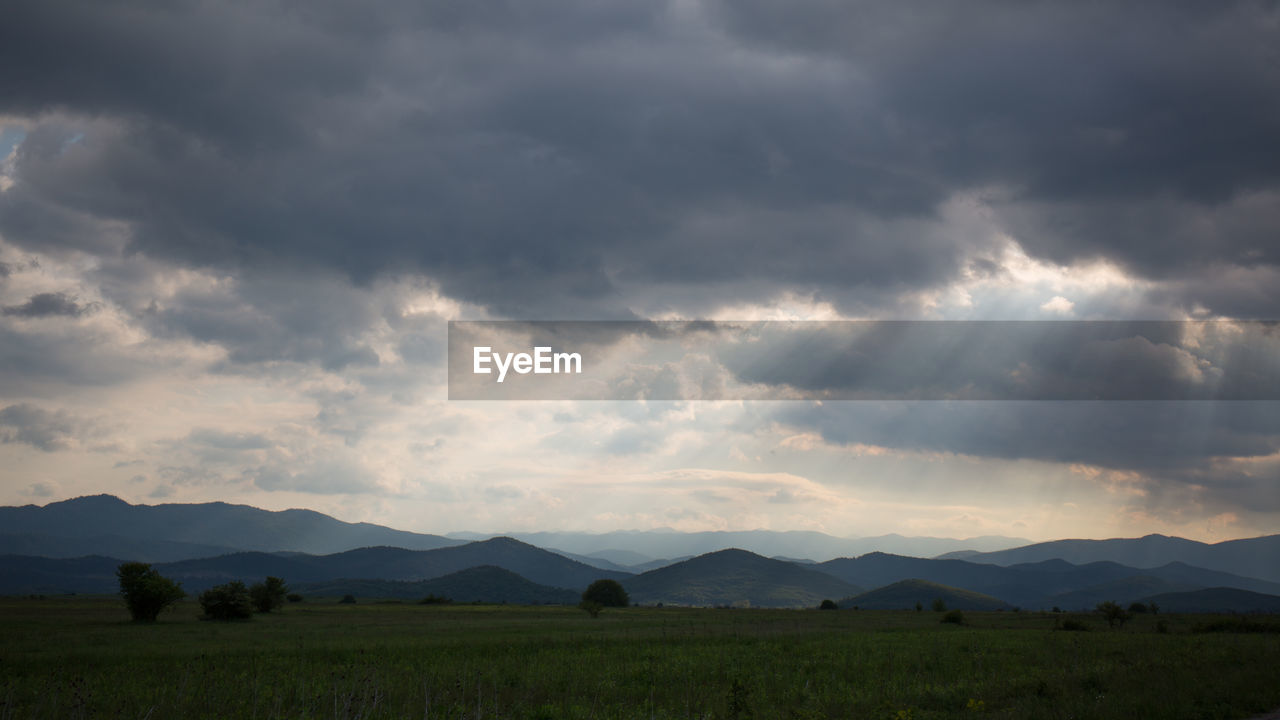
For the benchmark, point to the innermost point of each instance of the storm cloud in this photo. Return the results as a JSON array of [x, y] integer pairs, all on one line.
[[284, 203], [533, 159]]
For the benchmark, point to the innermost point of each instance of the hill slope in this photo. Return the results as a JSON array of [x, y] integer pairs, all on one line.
[[736, 577], [486, 584], [905, 594], [1216, 600]]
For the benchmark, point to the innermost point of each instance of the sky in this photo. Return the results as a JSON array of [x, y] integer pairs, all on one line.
[[232, 235]]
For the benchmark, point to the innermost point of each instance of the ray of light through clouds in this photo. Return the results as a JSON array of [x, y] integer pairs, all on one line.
[[231, 236]]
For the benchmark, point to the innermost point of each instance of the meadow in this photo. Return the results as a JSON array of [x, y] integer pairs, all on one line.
[[82, 658]]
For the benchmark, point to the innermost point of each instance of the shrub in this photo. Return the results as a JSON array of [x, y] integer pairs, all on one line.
[[348, 600], [919, 607], [1113, 613], [939, 605], [227, 602], [828, 604], [293, 597], [146, 592], [1138, 608], [953, 616], [608, 593], [268, 595], [434, 599], [1074, 625], [591, 607]]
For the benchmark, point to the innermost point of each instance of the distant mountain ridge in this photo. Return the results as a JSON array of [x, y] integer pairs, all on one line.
[[56, 527], [205, 544], [1038, 585], [638, 547], [1252, 557]]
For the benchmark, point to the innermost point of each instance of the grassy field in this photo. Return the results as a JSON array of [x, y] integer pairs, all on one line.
[[82, 658]]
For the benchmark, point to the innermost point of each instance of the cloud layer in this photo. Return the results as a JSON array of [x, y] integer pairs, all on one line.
[[225, 225]]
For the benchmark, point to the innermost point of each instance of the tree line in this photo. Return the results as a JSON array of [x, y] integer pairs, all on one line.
[[147, 593]]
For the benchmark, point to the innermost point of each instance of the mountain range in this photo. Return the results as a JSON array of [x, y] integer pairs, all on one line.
[[1255, 557], [105, 524], [320, 555]]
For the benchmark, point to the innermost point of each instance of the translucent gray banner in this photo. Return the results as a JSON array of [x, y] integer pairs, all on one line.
[[865, 360]]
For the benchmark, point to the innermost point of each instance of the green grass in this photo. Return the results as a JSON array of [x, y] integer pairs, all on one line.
[[80, 658]]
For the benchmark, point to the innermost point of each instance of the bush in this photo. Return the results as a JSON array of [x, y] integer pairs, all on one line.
[[293, 597], [591, 607], [227, 602], [434, 599], [608, 593], [828, 604], [268, 595], [939, 605], [1138, 608], [1113, 614], [146, 592], [953, 616], [348, 600], [1074, 625]]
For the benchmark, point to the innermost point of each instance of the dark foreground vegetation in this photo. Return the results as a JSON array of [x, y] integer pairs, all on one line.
[[81, 658]]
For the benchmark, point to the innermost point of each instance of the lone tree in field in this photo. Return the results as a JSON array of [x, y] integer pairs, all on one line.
[[227, 602], [608, 593], [268, 595], [145, 591]]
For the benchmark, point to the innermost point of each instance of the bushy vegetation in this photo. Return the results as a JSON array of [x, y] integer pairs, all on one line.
[[145, 591], [268, 594], [434, 599], [953, 616], [1115, 615], [1073, 625], [227, 602], [608, 593], [828, 604]]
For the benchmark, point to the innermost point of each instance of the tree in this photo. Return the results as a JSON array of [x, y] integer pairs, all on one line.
[[828, 604], [227, 602], [268, 595], [939, 605], [145, 591], [1113, 613], [608, 593]]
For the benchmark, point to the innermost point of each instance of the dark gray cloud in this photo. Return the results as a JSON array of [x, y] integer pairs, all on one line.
[[47, 430], [1174, 445], [540, 163], [49, 305]]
